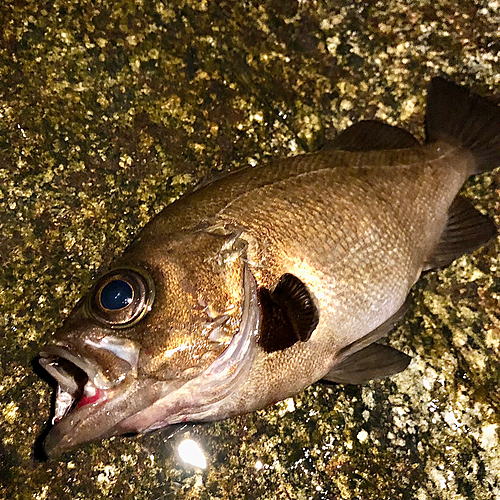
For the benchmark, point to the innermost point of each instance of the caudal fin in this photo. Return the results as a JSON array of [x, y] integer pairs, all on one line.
[[456, 115]]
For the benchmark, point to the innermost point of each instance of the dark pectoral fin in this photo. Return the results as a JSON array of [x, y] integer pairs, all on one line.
[[289, 314], [372, 135], [372, 362], [467, 229]]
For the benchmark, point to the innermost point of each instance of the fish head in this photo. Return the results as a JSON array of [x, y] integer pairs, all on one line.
[[164, 337]]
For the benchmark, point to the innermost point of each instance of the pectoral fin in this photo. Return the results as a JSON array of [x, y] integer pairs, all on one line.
[[289, 314], [372, 362]]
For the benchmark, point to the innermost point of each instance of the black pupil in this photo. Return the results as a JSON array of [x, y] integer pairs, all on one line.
[[116, 294]]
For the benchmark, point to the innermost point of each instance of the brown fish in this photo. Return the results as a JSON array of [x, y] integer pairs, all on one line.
[[259, 284]]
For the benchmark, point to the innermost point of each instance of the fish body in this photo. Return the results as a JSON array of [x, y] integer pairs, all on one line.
[[251, 288], [347, 232]]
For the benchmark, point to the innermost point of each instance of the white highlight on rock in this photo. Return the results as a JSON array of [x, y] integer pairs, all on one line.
[[451, 420], [489, 437], [286, 406], [191, 453], [362, 436]]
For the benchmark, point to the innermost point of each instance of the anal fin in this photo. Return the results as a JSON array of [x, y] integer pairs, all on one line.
[[372, 362], [467, 229]]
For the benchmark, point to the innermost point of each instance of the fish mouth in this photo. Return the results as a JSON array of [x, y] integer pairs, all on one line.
[[75, 380], [99, 393], [90, 374]]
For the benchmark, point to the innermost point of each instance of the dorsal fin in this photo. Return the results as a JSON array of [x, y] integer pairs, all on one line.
[[372, 135], [289, 314], [467, 229]]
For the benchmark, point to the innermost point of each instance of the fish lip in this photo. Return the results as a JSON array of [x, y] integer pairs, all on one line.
[[74, 375], [61, 437], [122, 408], [73, 429]]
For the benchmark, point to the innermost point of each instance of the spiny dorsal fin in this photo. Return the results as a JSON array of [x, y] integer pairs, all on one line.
[[289, 314], [467, 229], [372, 135], [372, 362]]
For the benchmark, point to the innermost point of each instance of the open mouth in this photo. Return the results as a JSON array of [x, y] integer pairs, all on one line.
[[96, 383], [76, 381], [86, 368]]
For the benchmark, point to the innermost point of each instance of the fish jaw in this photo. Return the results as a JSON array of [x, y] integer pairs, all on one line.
[[96, 377], [92, 420], [92, 405]]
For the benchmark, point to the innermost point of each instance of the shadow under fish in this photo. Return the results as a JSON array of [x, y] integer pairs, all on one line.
[[253, 287]]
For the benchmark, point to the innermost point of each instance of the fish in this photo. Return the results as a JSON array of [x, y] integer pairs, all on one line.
[[251, 288]]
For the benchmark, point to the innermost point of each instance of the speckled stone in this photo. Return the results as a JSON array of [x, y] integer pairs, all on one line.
[[110, 110]]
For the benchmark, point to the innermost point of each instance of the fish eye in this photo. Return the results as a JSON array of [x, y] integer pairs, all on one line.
[[122, 297], [117, 294]]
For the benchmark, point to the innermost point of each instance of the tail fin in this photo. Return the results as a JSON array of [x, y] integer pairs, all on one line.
[[454, 114]]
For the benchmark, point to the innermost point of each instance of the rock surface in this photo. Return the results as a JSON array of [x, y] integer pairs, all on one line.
[[112, 109]]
